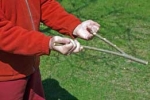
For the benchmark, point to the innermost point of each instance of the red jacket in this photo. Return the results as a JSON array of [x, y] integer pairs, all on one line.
[[21, 43]]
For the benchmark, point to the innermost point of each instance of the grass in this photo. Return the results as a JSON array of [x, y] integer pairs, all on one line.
[[91, 75]]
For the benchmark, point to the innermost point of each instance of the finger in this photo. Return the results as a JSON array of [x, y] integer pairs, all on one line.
[[60, 40], [64, 49], [81, 48], [73, 46], [85, 34], [92, 28], [57, 40], [78, 47], [62, 45], [94, 23]]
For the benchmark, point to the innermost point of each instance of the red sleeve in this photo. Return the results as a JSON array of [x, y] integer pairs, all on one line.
[[16, 40], [55, 16]]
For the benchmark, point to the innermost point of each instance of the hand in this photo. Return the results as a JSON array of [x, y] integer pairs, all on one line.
[[86, 29], [64, 45]]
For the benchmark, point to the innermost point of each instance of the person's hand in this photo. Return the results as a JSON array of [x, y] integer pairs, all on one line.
[[86, 29], [64, 45]]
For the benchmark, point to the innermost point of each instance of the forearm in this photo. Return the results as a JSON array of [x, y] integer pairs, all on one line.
[[55, 16], [17, 40]]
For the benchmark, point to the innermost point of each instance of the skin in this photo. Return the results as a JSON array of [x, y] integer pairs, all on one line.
[[84, 31]]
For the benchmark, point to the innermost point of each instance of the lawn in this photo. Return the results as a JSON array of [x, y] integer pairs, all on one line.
[[92, 75]]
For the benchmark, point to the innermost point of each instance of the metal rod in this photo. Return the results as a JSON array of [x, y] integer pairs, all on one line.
[[118, 54]]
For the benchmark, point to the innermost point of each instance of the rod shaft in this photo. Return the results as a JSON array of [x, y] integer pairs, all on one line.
[[118, 54], [108, 42]]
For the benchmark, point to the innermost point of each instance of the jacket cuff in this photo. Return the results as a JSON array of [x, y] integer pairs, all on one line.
[[45, 45]]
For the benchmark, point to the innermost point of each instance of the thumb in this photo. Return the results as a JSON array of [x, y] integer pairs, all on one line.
[[58, 40]]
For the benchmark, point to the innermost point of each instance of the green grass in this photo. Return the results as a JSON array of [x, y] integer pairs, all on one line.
[[91, 75]]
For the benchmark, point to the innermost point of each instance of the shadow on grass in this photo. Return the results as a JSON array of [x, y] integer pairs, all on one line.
[[53, 91]]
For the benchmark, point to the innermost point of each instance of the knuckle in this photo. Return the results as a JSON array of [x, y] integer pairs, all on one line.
[[75, 45], [64, 52]]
